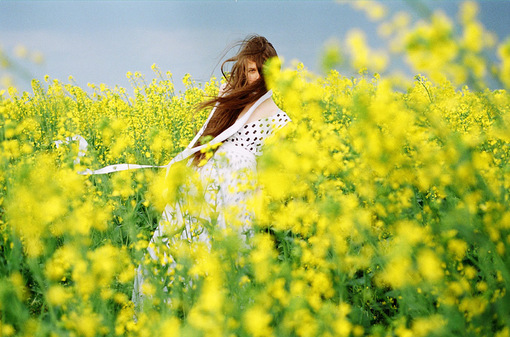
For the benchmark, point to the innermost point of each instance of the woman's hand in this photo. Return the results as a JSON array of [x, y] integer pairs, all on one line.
[[223, 89]]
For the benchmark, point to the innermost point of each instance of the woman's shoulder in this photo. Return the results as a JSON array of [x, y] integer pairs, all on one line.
[[266, 109]]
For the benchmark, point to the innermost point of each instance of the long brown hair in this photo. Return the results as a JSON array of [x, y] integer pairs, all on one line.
[[239, 93]]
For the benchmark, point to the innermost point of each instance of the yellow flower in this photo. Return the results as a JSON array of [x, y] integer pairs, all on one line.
[[458, 248], [505, 332], [257, 321], [423, 326], [397, 272], [7, 330], [58, 295], [473, 306], [343, 327], [170, 327], [429, 265]]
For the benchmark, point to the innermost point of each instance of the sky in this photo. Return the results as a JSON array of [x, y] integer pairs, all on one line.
[[100, 41]]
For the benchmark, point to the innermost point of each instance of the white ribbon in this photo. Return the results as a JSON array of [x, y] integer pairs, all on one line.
[[189, 149]]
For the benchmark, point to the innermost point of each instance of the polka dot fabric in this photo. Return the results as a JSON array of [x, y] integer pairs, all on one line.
[[251, 137]]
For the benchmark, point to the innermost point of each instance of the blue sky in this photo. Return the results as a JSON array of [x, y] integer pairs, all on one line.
[[100, 41]]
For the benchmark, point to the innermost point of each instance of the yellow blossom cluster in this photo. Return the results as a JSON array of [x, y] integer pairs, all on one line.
[[459, 50]]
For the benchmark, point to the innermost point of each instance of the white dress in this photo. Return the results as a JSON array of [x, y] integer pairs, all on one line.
[[228, 180]]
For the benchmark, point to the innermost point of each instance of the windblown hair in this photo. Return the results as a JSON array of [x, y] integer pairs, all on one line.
[[238, 93]]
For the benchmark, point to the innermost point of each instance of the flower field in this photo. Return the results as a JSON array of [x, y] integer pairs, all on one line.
[[383, 208]]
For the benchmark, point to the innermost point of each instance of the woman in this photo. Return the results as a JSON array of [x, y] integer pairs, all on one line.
[[244, 115]]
